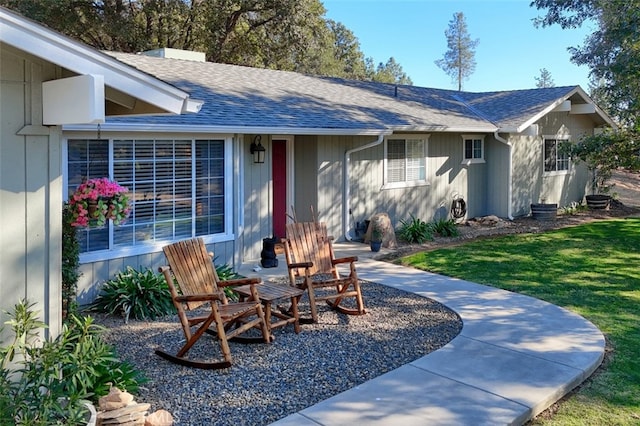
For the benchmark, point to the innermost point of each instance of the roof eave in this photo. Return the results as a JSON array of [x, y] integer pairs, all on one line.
[[77, 57], [178, 128], [522, 127]]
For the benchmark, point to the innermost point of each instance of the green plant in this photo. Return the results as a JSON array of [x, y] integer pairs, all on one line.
[[415, 230], [51, 379], [573, 208], [226, 272], [70, 262], [137, 294], [603, 153], [446, 228], [376, 234]]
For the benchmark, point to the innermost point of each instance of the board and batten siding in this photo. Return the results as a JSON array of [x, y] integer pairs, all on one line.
[[446, 176], [94, 274], [530, 183], [30, 191], [497, 179]]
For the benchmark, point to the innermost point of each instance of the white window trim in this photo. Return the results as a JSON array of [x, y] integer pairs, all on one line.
[[559, 136], [128, 251], [469, 161], [406, 184]]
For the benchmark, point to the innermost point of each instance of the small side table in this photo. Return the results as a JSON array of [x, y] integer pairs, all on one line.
[[268, 293]]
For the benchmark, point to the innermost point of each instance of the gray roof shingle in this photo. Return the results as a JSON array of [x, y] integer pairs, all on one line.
[[238, 97]]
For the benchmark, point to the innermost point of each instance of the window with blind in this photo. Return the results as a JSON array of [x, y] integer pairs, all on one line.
[[554, 160], [177, 188], [473, 149], [405, 162]]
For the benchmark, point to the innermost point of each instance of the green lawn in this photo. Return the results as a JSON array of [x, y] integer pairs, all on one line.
[[591, 269]]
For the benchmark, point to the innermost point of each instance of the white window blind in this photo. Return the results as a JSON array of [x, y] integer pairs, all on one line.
[[177, 188], [405, 160]]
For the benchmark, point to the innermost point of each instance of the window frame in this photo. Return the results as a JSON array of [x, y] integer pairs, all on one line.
[[558, 138], [472, 160], [406, 183], [114, 252]]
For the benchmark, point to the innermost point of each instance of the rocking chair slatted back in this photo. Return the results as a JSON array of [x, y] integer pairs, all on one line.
[[308, 242], [193, 268]]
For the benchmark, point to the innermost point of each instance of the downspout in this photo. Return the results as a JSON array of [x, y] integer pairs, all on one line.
[[510, 173], [345, 184]]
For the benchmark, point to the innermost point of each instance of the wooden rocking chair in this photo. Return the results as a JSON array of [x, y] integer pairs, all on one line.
[[312, 265], [193, 269]]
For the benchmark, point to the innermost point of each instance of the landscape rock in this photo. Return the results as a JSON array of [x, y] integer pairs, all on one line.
[[159, 418]]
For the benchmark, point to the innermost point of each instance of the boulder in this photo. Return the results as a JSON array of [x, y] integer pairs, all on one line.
[[382, 222], [159, 418]]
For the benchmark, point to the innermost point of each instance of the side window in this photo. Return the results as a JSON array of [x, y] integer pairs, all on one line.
[[472, 149], [554, 160], [405, 162]]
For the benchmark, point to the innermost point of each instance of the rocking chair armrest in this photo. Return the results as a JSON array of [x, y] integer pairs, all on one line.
[[349, 259], [208, 297], [300, 265], [240, 281]]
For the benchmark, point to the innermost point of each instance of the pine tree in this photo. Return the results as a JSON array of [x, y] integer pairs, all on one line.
[[544, 80], [459, 61]]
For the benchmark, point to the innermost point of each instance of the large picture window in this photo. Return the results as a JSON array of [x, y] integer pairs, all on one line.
[[177, 188], [405, 161], [554, 160]]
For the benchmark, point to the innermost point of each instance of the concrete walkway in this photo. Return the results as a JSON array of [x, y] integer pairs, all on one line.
[[515, 357]]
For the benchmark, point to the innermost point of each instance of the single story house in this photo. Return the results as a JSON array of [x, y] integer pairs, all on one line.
[[346, 149], [47, 80]]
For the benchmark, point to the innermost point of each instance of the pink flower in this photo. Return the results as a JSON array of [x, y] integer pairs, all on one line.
[[109, 201]]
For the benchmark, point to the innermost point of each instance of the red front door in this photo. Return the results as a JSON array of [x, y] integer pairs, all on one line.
[[279, 167]]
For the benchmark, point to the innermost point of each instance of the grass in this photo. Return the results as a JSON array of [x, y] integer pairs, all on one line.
[[591, 269]]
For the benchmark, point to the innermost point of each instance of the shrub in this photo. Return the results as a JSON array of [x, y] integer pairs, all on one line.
[[136, 294], [70, 262], [53, 377], [415, 230], [446, 228]]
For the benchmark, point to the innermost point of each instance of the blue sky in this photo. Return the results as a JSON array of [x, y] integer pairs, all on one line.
[[509, 56]]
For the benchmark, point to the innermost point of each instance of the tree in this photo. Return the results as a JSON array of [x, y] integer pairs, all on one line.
[[544, 80], [291, 35], [390, 72], [605, 152], [458, 61], [611, 51]]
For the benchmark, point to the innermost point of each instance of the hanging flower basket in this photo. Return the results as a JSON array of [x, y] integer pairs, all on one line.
[[97, 201]]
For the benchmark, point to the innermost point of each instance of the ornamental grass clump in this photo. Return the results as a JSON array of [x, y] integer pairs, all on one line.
[[97, 201], [415, 230], [137, 294]]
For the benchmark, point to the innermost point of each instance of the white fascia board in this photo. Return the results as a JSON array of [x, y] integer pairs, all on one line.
[[557, 103], [170, 128], [58, 49]]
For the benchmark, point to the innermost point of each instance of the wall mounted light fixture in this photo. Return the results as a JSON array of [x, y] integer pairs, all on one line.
[[257, 150]]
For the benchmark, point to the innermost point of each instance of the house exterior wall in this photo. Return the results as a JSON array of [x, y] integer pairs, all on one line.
[[94, 274], [530, 183], [497, 175], [447, 178], [306, 177], [258, 196], [30, 191]]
